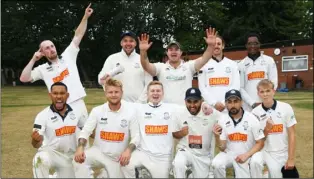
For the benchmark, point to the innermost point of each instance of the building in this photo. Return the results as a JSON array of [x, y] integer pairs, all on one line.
[[294, 59]]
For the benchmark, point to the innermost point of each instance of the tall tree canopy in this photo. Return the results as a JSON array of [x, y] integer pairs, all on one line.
[[26, 23]]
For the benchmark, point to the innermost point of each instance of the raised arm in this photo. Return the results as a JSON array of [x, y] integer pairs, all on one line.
[[144, 46], [26, 75], [211, 41], [81, 29]]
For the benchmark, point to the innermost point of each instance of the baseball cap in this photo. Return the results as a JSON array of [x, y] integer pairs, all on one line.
[[174, 43], [193, 93], [232, 93], [128, 33], [290, 173]]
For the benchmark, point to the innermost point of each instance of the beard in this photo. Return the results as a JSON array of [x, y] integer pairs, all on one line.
[[234, 111], [194, 112]]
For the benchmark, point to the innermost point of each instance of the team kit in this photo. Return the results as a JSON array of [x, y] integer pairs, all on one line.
[[154, 123]]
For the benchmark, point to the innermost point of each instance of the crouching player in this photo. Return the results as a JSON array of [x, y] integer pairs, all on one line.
[[114, 122], [54, 134], [278, 121], [238, 136], [194, 131]]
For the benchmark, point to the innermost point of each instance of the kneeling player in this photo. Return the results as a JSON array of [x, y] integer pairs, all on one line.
[[238, 136], [115, 121], [278, 121], [194, 131]]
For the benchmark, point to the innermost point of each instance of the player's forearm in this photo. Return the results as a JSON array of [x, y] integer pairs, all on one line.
[[178, 134], [291, 145], [82, 143], [222, 144], [257, 147], [200, 62], [131, 147], [147, 66], [27, 71], [80, 31]]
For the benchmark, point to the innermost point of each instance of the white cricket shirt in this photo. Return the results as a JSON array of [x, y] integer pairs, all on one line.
[[133, 78], [200, 133], [156, 127], [242, 136], [175, 80], [252, 72], [113, 128], [64, 70], [283, 116], [216, 78], [59, 133]]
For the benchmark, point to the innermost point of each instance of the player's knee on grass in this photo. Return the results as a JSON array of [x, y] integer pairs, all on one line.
[[41, 159]]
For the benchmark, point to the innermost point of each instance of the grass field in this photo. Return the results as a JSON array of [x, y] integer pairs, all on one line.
[[20, 105]]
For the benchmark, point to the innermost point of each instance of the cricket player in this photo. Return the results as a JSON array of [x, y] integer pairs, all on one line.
[[194, 131], [155, 132], [239, 136], [115, 122], [126, 67], [253, 68], [218, 76], [61, 68], [54, 135], [278, 121], [176, 75]]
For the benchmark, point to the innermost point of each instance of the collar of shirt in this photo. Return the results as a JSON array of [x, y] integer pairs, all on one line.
[[107, 108], [154, 106], [66, 112], [237, 122], [273, 107], [125, 55], [214, 58], [182, 62], [255, 56]]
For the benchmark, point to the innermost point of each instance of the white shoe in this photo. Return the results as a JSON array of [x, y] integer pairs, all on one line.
[[265, 174], [54, 175]]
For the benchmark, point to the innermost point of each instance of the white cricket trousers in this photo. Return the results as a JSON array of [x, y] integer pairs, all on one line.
[[199, 164], [96, 158], [158, 167], [226, 160], [273, 160], [47, 159]]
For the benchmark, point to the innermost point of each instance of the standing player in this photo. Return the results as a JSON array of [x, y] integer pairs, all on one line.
[[54, 135], [115, 122], [253, 68], [239, 136], [62, 68], [218, 76], [278, 121], [155, 132], [126, 67], [175, 74], [194, 131]]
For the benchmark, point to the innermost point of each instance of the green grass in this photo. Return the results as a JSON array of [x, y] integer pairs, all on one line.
[[20, 105]]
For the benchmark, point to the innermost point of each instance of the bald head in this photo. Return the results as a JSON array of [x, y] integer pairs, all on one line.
[[48, 49]]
